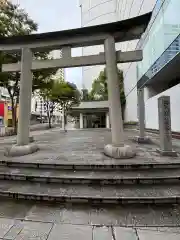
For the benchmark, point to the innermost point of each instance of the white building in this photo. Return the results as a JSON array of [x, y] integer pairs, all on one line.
[[160, 41], [102, 11], [61, 72]]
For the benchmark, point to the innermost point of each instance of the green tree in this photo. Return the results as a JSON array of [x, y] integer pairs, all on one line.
[[49, 100], [99, 89], [59, 95], [13, 22], [68, 95]]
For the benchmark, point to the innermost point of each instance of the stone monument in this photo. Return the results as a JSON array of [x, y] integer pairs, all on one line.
[[164, 112]]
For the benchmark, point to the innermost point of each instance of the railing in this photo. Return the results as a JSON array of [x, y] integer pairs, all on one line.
[[166, 57]]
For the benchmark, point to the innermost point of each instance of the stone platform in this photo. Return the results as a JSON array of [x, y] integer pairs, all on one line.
[[85, 147], [71, 168], [77, 190]]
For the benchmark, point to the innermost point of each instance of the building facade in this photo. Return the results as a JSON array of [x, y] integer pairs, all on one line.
[[102, 11], [159, 72], [160, 45]]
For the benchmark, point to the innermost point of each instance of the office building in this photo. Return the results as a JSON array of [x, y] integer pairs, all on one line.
[[60, 72], [160, 45]]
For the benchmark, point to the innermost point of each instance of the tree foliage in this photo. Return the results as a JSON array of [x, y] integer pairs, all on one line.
[[13, 22], [49, 103], [67, 94], [100, 89], [59, 95]]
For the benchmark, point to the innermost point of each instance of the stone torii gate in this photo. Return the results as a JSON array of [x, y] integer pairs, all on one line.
[[106, 34]]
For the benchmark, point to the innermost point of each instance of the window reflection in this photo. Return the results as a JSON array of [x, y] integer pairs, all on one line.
[[161, 38]]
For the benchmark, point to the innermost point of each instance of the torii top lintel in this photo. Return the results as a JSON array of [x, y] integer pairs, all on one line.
[[125, 30]]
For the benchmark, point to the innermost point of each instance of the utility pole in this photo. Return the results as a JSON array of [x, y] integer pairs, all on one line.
[[41, 111], [83, 87]]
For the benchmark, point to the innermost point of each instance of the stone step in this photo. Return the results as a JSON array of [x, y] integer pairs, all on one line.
[[146, 176], [126, 194], [108, 164]]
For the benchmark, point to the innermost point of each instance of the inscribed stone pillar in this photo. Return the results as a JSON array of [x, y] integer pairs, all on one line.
[[165, 134]]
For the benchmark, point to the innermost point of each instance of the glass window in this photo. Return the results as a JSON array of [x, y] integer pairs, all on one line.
[[163, 32], [171, 9]]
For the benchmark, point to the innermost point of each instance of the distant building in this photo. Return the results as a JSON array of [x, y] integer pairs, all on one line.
[[37, 106], [61, 72]]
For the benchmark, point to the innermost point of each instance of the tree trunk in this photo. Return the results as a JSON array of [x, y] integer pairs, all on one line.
[[49, 118], [14, 117], [65, 121], [49, 121]]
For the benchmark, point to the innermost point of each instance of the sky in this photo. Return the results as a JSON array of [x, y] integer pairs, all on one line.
[[56, 15]]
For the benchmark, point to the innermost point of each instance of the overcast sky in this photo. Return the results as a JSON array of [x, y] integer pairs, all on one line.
[[55, 15]]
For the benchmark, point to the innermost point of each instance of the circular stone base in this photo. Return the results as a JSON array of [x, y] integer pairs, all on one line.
[[121, 152], [142, 139], [16, 151]]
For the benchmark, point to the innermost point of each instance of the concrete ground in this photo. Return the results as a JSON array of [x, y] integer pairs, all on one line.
[[29, 220], [24, 220], [85, 146]]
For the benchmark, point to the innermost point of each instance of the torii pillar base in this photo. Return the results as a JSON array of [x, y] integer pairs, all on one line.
[[119, 152], [17, 151]]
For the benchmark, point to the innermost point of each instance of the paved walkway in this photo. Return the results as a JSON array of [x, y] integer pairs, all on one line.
[[24, 220], [83, 147]]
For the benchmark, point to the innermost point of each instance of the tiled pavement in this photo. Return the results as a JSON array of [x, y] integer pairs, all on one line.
[[23, 220], [26, 220], [82, 147]]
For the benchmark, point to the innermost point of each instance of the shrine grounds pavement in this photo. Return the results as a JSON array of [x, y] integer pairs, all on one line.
[[31, 220], [84, 147]]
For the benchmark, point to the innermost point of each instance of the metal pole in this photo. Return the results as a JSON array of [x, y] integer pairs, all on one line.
[[41, 109], [83, 87]]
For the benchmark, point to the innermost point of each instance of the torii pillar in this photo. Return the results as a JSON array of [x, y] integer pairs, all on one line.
[[24, 145], [117, 149]]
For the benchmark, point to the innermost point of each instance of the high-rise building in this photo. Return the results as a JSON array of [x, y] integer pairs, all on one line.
[[60, 73], [160, 45]]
